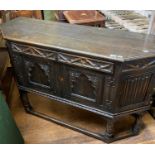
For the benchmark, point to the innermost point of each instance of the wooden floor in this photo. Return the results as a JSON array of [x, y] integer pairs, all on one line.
[[37, 130]]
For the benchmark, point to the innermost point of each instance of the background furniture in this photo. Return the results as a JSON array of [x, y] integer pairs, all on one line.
[[84, 72], [85, 17], [126, 20], [59, 15], [11, 14], [6, 76]]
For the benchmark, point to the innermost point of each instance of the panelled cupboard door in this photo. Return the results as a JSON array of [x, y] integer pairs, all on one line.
[[40, 74], [83, 86]]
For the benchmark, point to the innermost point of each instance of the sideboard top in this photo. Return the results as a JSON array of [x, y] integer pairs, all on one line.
[[99, 42]]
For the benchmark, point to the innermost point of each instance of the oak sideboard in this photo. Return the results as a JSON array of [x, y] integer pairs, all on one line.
[[107, 72]]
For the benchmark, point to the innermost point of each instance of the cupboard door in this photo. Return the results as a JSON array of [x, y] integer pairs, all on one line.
[[34, 72], [83, 86], [40, 74]]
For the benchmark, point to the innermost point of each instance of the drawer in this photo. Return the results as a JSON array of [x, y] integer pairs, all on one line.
[[85, 62], [33, 51]]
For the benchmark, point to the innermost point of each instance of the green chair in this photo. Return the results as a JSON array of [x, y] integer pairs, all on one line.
[[9, 133]]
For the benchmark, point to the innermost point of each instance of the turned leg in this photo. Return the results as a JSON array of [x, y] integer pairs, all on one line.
[[138, 123], [109, 129], [108, 135], [25, 101]]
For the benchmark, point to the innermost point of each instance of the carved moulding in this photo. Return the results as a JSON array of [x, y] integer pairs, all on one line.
[[109, 92], [81, 61], [35, 51], [86, 62], [139, 66]]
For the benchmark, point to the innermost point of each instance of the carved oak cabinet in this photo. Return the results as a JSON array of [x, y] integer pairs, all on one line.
[[107, 72]]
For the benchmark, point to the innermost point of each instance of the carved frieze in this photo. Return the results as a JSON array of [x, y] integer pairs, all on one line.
[[35, 51], [139, 66], [86, 62], [81, 61]]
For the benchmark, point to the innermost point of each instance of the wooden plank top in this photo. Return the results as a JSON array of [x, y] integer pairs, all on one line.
[[98, 42]]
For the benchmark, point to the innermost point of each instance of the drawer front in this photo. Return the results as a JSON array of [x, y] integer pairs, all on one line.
[[85, 62], [33, 51], [71, 59], [83, 86]]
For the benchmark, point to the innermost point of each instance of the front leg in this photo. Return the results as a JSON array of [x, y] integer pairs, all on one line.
[[25, 101], [108, 135], [138, 123]]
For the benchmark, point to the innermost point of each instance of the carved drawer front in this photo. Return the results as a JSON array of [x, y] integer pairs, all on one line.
[[33, 51], [39, 74], [141, 65], [83, 87], [85, 62]]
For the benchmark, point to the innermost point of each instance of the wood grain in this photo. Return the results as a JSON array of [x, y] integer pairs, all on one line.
[[86, 40]]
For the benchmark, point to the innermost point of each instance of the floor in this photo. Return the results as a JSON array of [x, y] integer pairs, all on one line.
[[40, 131]]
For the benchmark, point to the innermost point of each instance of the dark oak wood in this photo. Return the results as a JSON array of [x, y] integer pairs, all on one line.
[[110, 73]]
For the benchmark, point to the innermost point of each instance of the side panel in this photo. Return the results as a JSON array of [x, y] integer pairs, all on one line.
[[136, 84]]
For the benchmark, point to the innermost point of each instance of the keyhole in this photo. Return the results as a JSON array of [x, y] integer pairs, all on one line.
[[61, 79]]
